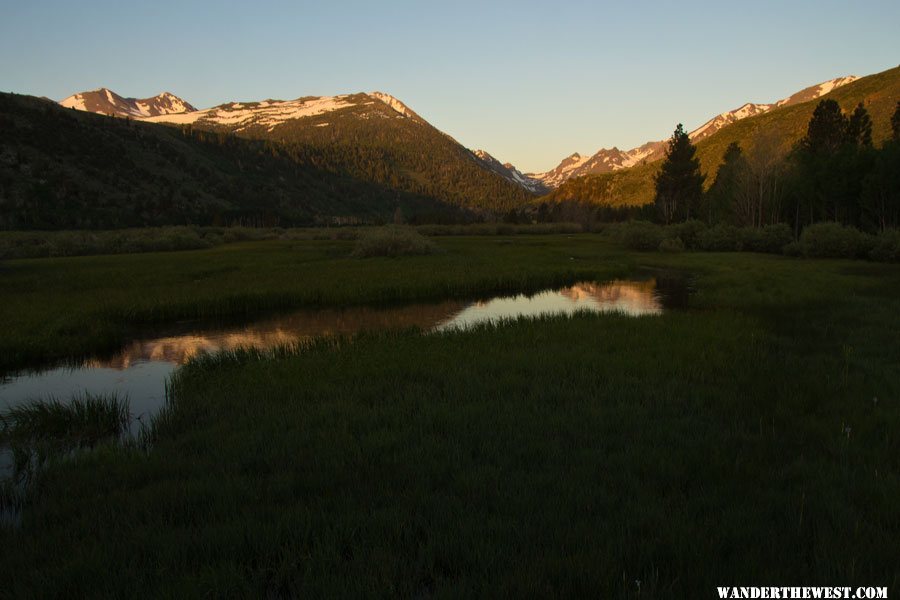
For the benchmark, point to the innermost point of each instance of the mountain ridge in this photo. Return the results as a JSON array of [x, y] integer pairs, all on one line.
[[777, 130], [106, 102], [607, 160]]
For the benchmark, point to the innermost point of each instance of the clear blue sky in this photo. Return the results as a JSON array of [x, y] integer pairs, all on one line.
[[530, 82]]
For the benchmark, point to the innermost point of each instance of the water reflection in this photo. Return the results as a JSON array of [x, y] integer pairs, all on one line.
[[141, 368]]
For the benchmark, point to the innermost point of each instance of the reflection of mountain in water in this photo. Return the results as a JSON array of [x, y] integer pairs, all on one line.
[[279, 331], [634, 298], [629, 297]]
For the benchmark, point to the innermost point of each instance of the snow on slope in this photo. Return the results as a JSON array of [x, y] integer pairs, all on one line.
[[510, 173], [613, 159], [268, 114], [106, 102], [394, 103]]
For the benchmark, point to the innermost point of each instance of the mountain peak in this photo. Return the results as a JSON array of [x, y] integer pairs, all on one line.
[[394, 103], [106, 102], [613, 159]]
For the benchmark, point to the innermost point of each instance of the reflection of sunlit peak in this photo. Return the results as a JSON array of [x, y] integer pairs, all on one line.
[[632, 297]]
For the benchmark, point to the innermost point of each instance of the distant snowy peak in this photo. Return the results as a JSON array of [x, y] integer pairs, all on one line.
[[267, 114], [751, 110], [510, 173], [106, 102], [563, 171], [613, 159], [816, 91], [397, 105]]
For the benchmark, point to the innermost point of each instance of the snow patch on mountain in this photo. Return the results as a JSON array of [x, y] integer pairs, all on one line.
[[510, 173], [613, 159], [397, 105], [267, 114], [106, 102]]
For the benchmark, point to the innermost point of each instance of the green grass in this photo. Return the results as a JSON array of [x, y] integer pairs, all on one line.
[[61, 307], [735, 442], [43, 430]]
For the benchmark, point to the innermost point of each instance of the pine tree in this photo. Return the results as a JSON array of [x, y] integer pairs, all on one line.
[[859, 127], [679, 184], [895, 123], [827, 130], [720, 198]]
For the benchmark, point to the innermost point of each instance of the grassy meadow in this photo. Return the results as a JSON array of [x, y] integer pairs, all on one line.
[[750, 438]]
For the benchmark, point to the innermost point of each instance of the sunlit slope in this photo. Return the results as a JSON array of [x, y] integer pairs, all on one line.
[[784, 126]]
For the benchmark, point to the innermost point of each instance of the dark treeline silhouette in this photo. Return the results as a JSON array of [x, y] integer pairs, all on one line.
[[834, 174]]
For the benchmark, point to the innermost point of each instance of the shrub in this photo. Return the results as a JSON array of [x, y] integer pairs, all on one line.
[[719, 238], [689, 232], [671, 245], [886, 247], [393, 241], [833, 240], [638, 235], [771, 238], [793, 249]]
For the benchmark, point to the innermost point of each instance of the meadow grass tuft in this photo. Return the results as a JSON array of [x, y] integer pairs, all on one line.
[[392, 242], [41, 430]]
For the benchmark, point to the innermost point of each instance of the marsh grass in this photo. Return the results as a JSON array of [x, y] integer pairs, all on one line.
[[41, 433], [42, 430], [63, 308], [392, 242], [734, 439]]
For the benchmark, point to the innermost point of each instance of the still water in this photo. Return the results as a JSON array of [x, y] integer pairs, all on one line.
[[140, 370]]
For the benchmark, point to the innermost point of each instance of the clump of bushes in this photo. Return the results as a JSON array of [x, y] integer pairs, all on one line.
[[770, 239], [886, 247], [637, 235], [393, 241], [688, 232], [671, 245], [718, 238], [833, 240], [499, 229]]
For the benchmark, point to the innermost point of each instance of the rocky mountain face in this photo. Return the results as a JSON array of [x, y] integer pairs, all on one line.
[[607, 160], [107, 102], [509, 172], [371, 137]]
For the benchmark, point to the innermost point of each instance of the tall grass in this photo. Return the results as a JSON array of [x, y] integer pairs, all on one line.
[[64, 307], [42, 430], [393, 241], [559, 457]]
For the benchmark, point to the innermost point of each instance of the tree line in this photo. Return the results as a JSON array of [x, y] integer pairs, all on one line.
[[834, 174]]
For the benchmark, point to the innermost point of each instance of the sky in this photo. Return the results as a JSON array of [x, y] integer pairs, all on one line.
[[530, 82]]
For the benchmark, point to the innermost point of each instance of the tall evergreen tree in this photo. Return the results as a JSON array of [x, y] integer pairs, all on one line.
[[679, 184], [730, 177], [895, 123], [859, 127], [827, 130]]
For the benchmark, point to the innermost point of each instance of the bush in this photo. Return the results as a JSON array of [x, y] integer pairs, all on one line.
[[719, 238], [793, 249], [886, 247], [833, 240], [393, 241], [771, 238], [671, 245], [689, 232], [638, 235]]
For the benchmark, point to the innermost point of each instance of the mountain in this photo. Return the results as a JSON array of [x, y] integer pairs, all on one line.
[[347, 159], [613, 159], [106, 102], [374, 137], [779, 127], [511, 173]]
